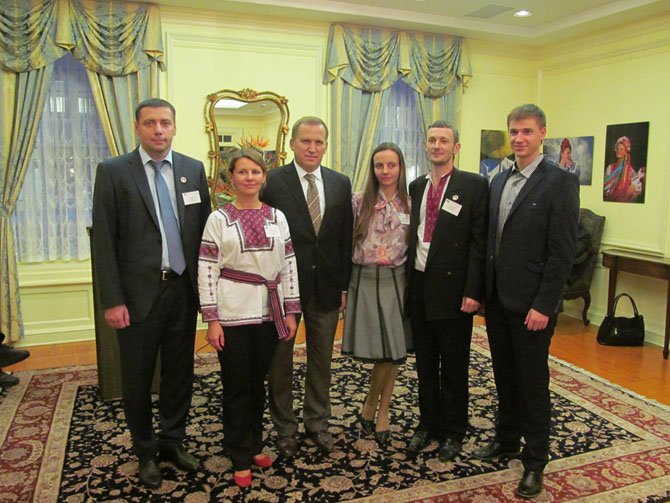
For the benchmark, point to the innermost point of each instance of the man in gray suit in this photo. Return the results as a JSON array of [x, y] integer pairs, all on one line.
[[149, 210], [317, 204], [533, 217]]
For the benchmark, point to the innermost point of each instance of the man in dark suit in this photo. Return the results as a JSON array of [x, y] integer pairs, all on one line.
[[533, 216], [149, 209], [446, 269], [317, 204]]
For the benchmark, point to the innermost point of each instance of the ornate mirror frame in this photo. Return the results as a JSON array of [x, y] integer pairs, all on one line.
[[220, 187]]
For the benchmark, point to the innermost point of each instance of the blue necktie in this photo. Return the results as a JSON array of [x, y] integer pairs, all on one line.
[[170, 225]]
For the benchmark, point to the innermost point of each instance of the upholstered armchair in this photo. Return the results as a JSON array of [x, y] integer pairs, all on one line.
[[588, 248]]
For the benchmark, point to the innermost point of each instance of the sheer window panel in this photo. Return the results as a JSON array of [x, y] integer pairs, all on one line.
[[54, 207], [400, 123]]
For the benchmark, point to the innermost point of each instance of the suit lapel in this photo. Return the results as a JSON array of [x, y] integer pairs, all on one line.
[[138, 174], [444, 218], [294, 187], [496, 193], [179, 172], [528, 187]]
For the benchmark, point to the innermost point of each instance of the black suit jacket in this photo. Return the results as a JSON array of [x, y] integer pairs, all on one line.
[[126, 235], [537, 245], [324, 261], [455, 263]]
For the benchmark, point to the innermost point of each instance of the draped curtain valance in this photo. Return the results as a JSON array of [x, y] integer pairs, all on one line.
[[109, 38], [373, 59]]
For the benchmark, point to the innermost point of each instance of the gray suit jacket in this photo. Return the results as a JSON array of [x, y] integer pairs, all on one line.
[[324, 261], [126, 235], [538, 241]]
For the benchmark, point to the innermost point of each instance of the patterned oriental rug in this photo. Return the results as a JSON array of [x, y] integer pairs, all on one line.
[[60, 442]]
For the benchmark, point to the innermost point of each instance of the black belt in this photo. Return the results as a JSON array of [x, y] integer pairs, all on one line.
[[167, 274]]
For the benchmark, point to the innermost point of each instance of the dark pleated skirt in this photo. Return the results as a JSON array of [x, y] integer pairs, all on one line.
[[374, 327]]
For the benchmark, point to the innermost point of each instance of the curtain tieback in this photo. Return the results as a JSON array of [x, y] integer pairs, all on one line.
[[273, 297], [4, 211]]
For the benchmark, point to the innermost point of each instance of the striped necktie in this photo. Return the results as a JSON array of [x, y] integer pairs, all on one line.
[[313, 201], [169, 219]]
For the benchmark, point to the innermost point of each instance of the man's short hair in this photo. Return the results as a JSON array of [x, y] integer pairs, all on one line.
[[525, 111], [154, 103], [308, 120], [445, 125]]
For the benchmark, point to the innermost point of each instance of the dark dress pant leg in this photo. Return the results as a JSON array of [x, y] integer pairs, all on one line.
[[281, 389], [265, 339], [320, 328], [453, 342], [427, 358], [177, 349]]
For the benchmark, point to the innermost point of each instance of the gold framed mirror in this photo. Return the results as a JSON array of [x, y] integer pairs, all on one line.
[[243, 118]]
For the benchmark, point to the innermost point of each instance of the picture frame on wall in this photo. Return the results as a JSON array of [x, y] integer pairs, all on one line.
[[574, 154], [495, 152], [625, 176]]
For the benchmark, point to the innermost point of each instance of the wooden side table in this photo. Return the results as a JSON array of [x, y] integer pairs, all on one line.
[[644, 265]]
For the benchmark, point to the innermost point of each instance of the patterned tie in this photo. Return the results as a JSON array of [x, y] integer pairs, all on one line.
[[313, 201], [169, 219]]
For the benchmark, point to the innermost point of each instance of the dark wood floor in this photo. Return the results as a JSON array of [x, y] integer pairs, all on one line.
[[639, 369]]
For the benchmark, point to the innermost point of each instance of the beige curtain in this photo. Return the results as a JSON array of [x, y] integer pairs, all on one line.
[[121, 46], [363, 63], [119, 43]]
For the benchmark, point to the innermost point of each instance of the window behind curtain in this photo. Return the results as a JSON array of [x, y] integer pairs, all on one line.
[[400, 123], [54, 207]]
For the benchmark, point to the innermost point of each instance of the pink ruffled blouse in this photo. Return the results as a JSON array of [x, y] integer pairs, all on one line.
[[386, 242]]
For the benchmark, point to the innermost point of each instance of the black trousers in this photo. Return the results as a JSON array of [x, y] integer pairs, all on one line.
[[245, 360], [521, 374], [170, 329], [442, 350]]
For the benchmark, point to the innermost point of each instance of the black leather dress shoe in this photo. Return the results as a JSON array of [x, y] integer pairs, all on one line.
[[10, 356], [180, 457], [7, 380], [530, 485], [418, 441], [323, 440], [287, 446], [149, 472], [383, 438], [495, 450], [449, 449]]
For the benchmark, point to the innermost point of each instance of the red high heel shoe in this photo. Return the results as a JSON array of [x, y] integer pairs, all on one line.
[[242, 480], [262, 460]]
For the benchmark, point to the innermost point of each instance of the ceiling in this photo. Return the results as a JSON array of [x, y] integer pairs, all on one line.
[[552, 20]]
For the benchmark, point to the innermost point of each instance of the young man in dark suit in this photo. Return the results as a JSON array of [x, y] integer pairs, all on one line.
[[533, 217], [446, 269], [149, 210], [317, 204]]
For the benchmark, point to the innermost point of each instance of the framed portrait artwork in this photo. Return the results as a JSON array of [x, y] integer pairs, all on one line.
[[495, 153], [625, 176], [574, 154]]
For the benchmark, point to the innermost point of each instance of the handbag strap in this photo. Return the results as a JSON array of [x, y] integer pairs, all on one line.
[[632, 303]]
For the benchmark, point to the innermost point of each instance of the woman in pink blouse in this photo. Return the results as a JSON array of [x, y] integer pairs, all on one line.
[[375, 329], [248, 285]]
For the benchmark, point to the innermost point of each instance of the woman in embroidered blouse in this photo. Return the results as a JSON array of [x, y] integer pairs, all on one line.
[[248, 285], [374, 327], [565, 161], [622, 183]]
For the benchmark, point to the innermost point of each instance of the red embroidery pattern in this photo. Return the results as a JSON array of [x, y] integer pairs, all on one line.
[[251, 226], [433, 207]]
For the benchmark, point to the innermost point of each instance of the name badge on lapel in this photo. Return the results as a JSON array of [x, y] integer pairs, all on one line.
[[404, 218], [192, 197], [452, 207]]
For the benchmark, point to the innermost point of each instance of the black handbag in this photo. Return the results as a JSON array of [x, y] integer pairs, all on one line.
[[619, 330]]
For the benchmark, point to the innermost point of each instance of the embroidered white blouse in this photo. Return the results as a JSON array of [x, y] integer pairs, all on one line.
[[253, 241]]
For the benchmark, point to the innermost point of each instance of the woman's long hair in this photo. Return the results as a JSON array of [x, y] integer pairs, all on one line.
[[371, 191]]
